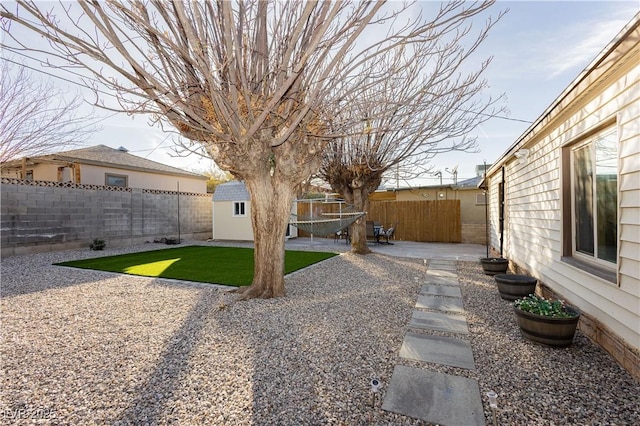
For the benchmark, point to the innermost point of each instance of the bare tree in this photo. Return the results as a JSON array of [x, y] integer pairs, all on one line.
[[428, 106], [35, 117], [257, 83]]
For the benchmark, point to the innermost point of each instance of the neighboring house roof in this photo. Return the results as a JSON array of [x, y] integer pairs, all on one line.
[[469, 183], [234, 190], [102, 155]]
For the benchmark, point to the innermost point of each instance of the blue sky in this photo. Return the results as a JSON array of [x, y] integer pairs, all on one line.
[[538, 49]]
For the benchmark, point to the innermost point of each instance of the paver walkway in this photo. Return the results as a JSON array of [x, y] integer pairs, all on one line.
[[432, 396]]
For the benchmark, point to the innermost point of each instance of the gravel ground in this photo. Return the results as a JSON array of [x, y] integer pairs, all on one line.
[[84, 347]]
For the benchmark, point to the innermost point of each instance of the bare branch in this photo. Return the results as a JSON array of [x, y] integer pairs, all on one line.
[[35, 118]]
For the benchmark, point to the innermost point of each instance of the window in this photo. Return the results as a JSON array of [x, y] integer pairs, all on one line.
[[481, 198], [115, 180], [28, 175], [239, 208], [594, 198]]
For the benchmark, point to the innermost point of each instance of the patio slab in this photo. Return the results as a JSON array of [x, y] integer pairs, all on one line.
[[439, 321], [441, 290], [447, 304], [438, 350], [434, 397]]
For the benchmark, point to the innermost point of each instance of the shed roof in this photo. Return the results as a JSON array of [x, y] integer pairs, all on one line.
[[234, 190]]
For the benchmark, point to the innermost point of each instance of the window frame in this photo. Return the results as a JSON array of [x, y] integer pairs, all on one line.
[[239, 209], [589, 263], [117, 176]]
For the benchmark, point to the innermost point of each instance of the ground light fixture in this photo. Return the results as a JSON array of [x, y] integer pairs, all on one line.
[[493, 403], [375, 387]]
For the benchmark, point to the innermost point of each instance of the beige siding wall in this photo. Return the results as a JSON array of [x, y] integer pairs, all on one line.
[[629, 186], [534, 209], [95, 175], [226, 226]]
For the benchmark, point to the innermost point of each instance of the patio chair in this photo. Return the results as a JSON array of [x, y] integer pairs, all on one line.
[[388, 234]]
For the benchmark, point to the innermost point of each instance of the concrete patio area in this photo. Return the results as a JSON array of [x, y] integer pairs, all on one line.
[[410, 249]]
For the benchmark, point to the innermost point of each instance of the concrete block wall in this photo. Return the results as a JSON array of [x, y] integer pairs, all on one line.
[[42, 216], [474, 233]]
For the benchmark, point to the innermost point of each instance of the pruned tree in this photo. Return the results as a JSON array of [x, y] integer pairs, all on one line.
[[35, 117], [429, 105], [256, 83]]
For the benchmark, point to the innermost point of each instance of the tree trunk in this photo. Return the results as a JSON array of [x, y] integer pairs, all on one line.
[[358, 231], [271, 201]]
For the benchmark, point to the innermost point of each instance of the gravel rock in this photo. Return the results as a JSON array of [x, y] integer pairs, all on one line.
[[86, 347]]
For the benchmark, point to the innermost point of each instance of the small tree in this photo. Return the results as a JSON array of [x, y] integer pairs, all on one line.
[[216, 177], [428, 106], [35, 117], [256, 83]]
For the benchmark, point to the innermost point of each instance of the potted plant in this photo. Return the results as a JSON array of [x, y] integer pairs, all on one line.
[[514, 286], [547, 321], [494, 265]]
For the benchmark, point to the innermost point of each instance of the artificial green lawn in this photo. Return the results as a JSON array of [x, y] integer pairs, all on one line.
[[218, 265]]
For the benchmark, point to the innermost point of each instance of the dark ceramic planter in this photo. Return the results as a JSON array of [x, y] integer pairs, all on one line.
[[547, 330], [494, 265], [513, 286]]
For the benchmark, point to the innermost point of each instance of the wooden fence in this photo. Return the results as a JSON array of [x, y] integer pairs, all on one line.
[[422, 221]]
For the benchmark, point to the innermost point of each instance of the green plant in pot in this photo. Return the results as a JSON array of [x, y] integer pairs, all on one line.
[[547, 321]]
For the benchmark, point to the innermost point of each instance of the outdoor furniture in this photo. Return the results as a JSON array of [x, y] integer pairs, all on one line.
[[343, 233], [388, 234], [378, 231]]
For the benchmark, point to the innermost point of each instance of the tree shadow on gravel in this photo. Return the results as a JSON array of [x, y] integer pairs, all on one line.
[[150, 403], [333, 341]]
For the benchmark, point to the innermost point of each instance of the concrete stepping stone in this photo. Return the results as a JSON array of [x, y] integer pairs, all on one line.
[[447, 304], [441, 274], [440, 290], [443, 265], [439, 321], [434, 397], [442, 281], [438, 350]]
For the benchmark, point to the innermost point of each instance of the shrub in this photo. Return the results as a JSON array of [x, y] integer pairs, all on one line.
[[97, 245]]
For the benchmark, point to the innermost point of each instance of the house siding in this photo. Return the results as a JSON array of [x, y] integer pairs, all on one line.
[[534, 206], [95, 175]]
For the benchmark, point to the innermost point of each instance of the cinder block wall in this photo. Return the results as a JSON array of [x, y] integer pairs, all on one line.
[[39, 216], [474, 233]]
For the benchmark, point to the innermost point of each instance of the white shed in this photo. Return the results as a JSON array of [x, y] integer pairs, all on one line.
[[232, 213], [565, 198]]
